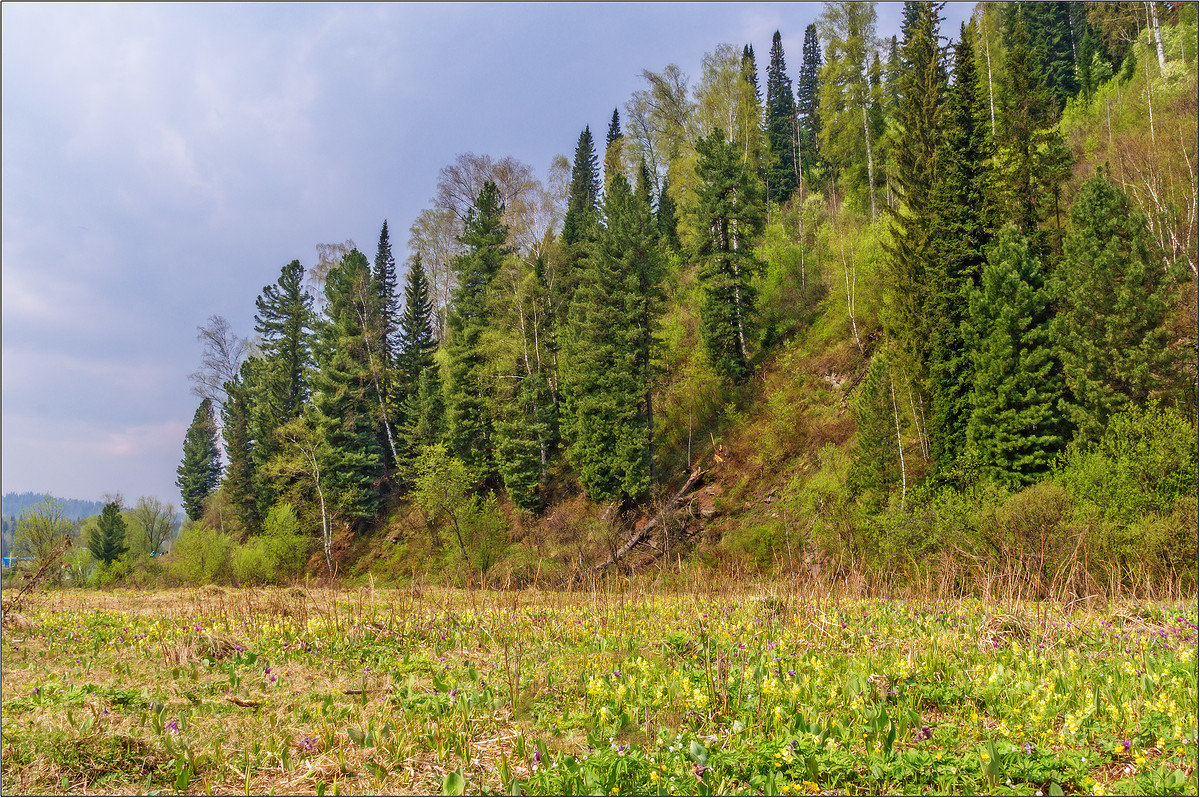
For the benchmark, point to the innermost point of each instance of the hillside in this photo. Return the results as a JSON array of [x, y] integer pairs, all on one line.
[[926, 323]]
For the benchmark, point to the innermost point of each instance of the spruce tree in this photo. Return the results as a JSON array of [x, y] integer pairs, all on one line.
[[107, 541], [522, 430], [1114, 297], [415, 341], [963, 225], [666, 219], [469, 393], [613, 145], [730, 208], [1015, 430], [346, 395], [386, 286], [808, 97], [584, 192], [241, 481], [604, 368], [781, 126], [876, 468], [200, 471], [918, 122], [750, 71]]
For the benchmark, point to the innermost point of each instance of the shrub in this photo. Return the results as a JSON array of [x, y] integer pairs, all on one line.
[[201, 555]]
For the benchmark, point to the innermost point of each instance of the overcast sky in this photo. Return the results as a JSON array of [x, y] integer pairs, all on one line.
[[162, 162]]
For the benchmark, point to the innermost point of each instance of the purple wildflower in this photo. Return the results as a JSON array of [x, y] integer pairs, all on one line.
[[173, 726]]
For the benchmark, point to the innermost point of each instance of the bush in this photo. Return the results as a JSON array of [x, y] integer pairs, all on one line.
[[1142, 465], [201, 555]]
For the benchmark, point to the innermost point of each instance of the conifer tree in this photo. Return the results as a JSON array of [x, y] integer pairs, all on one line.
[[200, 471], [668, 223], [963, 225], [346, 396], [613, 146], [584, 192], [1015, 430], [107, 542], [604, 367], [241, 481], [386, 285], [1114, 294], [284, 322], [808, 97], [522, 431], [730, 207], [750, 71], [415, 341], [469, 393], [781, 126], [878, 461], [918, 122]]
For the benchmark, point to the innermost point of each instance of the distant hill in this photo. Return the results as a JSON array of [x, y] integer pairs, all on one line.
[[17, 504]]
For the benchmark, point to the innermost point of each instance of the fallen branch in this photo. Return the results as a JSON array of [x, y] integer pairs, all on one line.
[[667, 507], [37, 578]]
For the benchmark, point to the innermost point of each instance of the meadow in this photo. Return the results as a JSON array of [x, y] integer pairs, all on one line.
[[620, 689]]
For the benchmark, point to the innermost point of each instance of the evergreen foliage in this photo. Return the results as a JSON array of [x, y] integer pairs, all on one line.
[[241, 481], [200, 470], [808, 97], [963, 226], [1114, 294], [605, 372], [415, 341], [584, 193], [107, 541], [469, 392], [782, 173], [345, 397], [918, 123], [666, 219], [730, 209], [386, 286], [1015, 430]]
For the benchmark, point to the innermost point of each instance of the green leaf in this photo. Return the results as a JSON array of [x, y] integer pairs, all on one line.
[[698, 754], [1054, 789], [357, 736], [454, 783]]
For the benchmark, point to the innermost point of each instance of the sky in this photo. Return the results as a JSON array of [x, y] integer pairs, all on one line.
[[161, 163]]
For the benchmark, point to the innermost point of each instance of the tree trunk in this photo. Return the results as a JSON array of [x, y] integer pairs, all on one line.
[[1162, 60]]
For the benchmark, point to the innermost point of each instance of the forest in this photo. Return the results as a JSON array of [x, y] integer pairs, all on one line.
[[920, 314]]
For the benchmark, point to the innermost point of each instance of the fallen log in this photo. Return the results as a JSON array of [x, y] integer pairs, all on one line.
[[666, 509]]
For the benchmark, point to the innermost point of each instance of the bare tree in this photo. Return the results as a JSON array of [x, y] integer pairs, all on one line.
[[328, 256], [223, 353], [157, 520]]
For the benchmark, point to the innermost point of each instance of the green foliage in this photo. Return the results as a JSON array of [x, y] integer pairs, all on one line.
[[107, 541], [469, 407], [877, 459], [41, 529], [200, 471], [522, 436], [201, 555], [346, 399], [606, 354], [1015, 430], [1143, 464], [444, 491], [729, 210], [782, 170], [1115, 297], [277, 555], [808, 97]]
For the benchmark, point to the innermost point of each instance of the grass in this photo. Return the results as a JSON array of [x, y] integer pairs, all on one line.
[[623, 689]]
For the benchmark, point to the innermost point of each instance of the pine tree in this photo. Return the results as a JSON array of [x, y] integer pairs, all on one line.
[[200, 471], [1114, 297], [808, 97], [107, 541], [918, 122], [604, 367], [729, 206], [469, 393], [1015, 431], [276, 386], [781, 126], [346, 396], [963, 226]]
